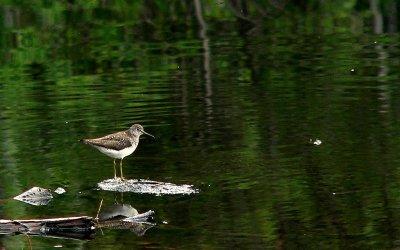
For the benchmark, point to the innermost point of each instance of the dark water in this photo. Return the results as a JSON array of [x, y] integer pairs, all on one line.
[[235, 108]]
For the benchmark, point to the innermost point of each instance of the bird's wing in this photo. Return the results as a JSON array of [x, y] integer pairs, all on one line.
[[114, 141]]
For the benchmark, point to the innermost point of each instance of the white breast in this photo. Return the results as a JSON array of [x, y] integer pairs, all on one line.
[[117, 154]]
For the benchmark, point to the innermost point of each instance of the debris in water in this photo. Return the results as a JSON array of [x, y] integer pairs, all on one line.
[[58, 246], [124, 216], [145, 187], [68, 227], [139, 228], [316, 142], [165, 222], [35, 196], [82, 227], [144, 217], [59, 190], [124, 210]]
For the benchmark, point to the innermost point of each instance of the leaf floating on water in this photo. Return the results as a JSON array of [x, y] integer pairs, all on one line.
[[35, 196], [145, 187], [59, 190]]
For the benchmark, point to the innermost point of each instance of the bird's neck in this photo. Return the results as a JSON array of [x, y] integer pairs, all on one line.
[[134, 138]]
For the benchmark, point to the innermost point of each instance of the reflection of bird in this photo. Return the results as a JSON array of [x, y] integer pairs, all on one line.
[[118, 145], [115, 217], [117, 211]]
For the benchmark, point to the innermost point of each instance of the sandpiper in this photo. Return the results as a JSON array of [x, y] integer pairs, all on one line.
[[118, 145]]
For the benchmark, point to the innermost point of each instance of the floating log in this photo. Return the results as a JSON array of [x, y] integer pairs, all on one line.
[[82, 227], [71, 227]]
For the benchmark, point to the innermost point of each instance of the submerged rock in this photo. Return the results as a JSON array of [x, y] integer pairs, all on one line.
[[59, 190], [145, 187], [36, 196]]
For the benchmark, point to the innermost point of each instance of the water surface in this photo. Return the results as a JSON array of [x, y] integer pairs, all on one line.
[[235, 108]]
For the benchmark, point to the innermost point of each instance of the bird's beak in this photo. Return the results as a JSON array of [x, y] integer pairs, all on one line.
[[144, 132]]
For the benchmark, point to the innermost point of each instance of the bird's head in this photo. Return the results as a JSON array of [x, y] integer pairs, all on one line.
[[138, 130]]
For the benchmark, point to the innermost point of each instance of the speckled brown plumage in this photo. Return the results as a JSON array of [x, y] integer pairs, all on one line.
[[116, 141]]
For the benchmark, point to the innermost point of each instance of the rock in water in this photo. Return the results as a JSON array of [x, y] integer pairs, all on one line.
[[146, 187], [59, 190], [35, 196]]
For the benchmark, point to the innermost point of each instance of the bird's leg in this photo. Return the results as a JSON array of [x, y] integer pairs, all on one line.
[[115, 171], [120, 168]]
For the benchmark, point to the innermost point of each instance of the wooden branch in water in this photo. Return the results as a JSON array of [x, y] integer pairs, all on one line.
[[71, 227], [144, 217], [82, 227]]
